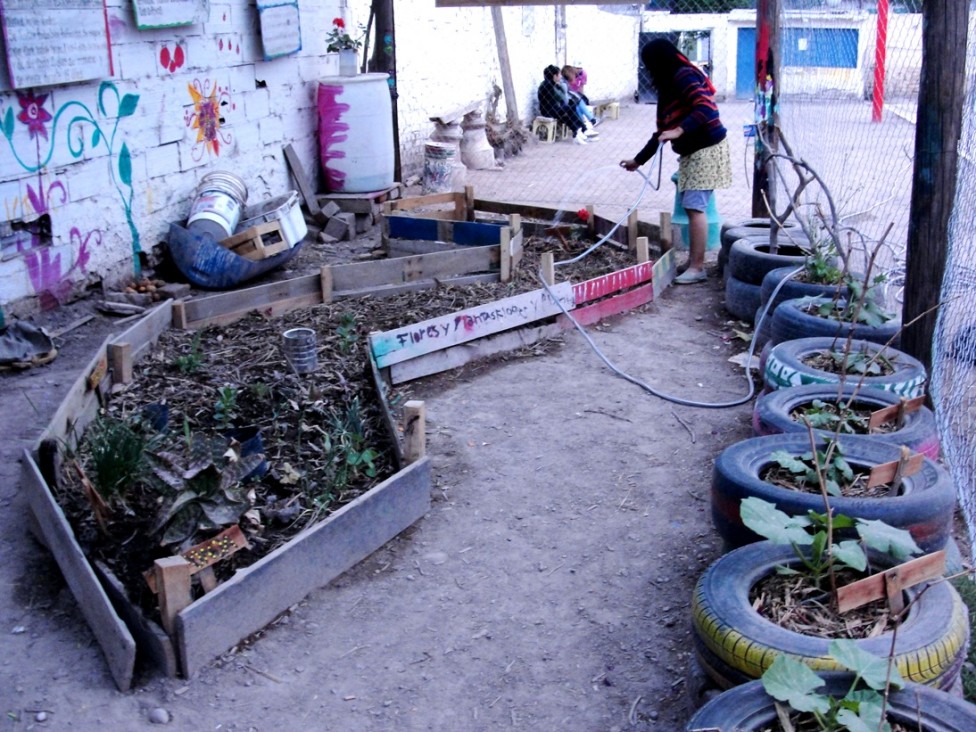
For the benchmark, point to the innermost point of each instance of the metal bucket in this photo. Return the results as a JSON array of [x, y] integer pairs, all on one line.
[[217, 208], [300, 349]]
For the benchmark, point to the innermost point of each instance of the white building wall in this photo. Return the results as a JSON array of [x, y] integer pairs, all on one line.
[[113, 195]]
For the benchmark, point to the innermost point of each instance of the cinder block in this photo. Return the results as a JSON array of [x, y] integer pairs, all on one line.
[[174, 291], [330, 209], [364, 223], [341, 226]]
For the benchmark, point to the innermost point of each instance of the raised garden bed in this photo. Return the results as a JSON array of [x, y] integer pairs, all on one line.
[[249, 598]]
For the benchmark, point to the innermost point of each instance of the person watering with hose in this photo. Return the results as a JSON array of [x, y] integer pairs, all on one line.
[[688, 118]]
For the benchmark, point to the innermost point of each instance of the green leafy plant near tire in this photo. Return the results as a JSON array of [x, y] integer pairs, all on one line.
[[839, 418], [806, 470], [816, 531], [861, 709]]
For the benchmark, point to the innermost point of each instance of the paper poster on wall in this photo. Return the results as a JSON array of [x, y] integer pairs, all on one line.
[[281, 33], [169, 13], [55, 41]]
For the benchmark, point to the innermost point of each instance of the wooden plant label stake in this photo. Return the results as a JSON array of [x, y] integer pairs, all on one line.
[[886, 472], [895, 411], [414, 430], [207, 553], [891, 583]]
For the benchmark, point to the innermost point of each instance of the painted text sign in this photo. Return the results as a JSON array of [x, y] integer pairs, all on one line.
[[410, 341], [168, 13], [281, 32], [55, 41]]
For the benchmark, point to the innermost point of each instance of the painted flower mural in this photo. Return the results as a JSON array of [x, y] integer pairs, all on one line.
[[206, 119], [33, 114]]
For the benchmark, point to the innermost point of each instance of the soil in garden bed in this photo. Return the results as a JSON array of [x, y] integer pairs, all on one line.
[[858, 363], [854, 417], [324, 441]]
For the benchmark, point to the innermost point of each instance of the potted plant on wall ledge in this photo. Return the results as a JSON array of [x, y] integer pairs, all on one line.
[[346, 46]]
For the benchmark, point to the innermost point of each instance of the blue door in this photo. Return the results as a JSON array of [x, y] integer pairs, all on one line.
[[745, 64]]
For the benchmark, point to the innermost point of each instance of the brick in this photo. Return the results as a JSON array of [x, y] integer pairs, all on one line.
[[330, 209]]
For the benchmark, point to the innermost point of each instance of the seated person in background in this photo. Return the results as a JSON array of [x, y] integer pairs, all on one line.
[[554, 102], [571, 78]]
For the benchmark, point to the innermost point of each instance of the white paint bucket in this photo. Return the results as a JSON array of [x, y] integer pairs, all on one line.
[[300, 349], [217, 208], [356, 133], [286, 210], [440, 167]]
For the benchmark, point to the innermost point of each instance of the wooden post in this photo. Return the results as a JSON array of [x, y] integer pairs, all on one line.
[[120, 360], [590, 220], [414, 430], [505, 255], [515, 222], [643, 250], [941, 97], [179, 315], [505, 66], [469, 203], [548, 267], [325, 284], [632, 220], [173, 585], [667, 239]]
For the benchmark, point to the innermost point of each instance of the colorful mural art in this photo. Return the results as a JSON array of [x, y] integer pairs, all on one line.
[[172, 60], [206, 119], [83, 127]]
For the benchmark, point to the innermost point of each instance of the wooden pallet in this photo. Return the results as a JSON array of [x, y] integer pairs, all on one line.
[[258, 242]]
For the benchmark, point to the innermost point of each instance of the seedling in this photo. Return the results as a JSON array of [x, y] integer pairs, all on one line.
[[861, 709], [117, 453], [816, 531], [225, 410], [190, 362], [346, 330]]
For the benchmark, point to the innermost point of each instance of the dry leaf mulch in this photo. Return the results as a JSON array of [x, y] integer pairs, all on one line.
[[187, 373]]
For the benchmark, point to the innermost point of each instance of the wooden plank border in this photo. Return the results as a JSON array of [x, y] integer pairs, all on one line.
[[112, 635], [402, 344], [259, 593]]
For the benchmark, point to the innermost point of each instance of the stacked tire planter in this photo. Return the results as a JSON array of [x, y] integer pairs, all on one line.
[[735, 644], [749, 262], [923, 505], [748, 708], [789, 288], [791, 321], [773, 414], [786, 364], [745, 229]]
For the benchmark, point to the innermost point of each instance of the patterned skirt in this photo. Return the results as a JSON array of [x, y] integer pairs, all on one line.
[[706, 169]]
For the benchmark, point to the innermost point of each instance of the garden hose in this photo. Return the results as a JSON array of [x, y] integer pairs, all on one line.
[[632, 379]]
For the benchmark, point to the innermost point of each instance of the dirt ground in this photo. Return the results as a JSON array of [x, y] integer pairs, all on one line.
[[547, 588]]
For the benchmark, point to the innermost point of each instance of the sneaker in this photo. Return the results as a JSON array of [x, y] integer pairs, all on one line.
[[596, 121], [690, 277], [590, 132], [580, 138]]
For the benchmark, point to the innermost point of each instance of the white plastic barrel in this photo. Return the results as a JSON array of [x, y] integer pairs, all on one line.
[[356, 133]]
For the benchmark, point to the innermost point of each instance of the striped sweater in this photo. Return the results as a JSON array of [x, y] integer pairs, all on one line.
[[689, 104]]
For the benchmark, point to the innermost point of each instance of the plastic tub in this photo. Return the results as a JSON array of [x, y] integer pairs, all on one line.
[[217, 207], [286, 210]]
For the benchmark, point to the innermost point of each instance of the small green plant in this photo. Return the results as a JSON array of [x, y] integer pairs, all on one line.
[[225, 410], [190, 362], [819, 266], [259, 390], [116, 450], [346, 330], [816, 531], [837, 417], [203, 491], [805, 470], [861, 363], [861, 709]]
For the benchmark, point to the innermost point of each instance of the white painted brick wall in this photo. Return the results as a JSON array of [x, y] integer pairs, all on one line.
[[446, 58]]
